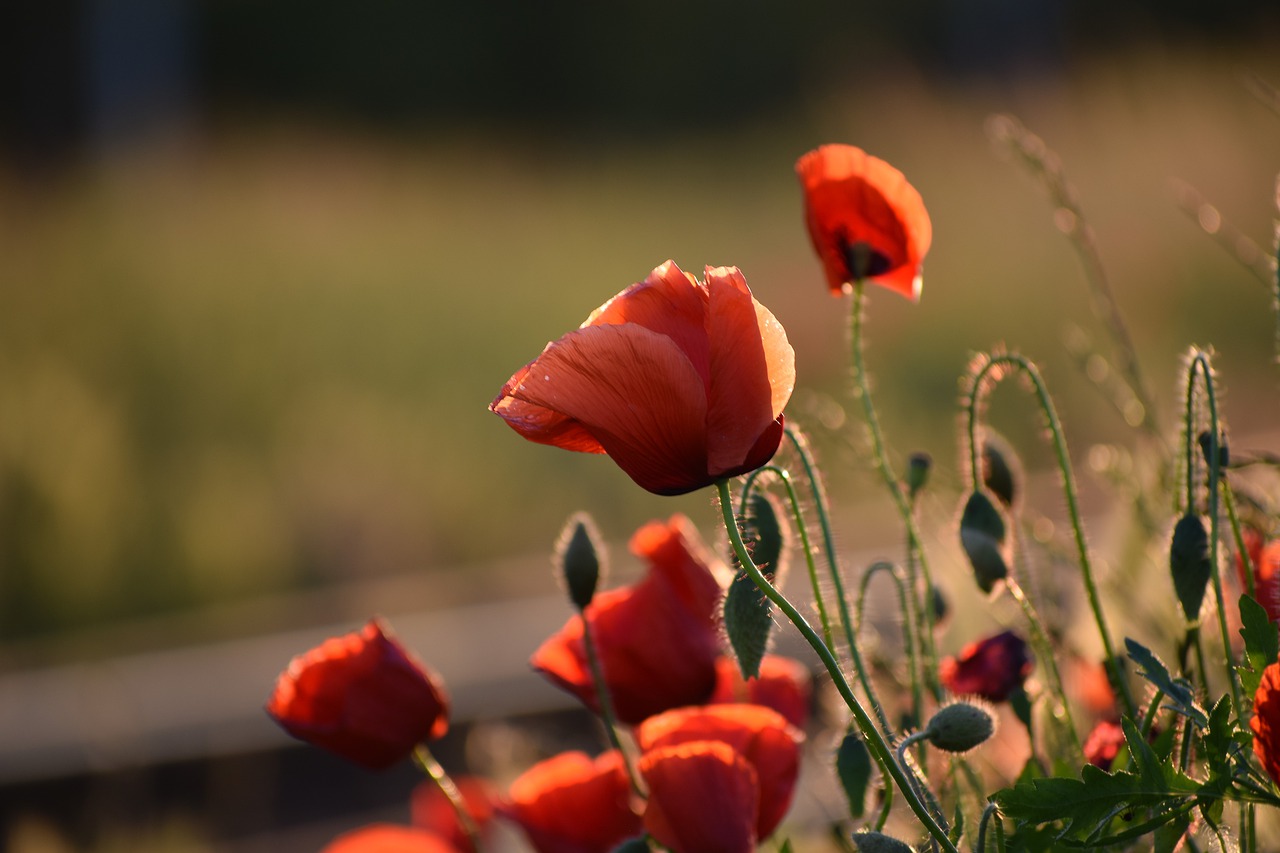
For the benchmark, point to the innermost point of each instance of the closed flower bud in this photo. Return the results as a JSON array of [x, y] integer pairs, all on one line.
[[960, 726], [1001, 470], [868, 841], [765, 535], [941, 609], [578, 554], [918, 472], [1224, 456], [1190, 564], [983, 536]]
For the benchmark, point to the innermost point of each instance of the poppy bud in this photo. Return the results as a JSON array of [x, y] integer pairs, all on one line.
[[868, 841], [765, 534], [747, 614], [1190, 564], [918, 466], [982, 534], [941, 609], [1001, 470], [1224, 455], [578, 556], [960, 726]]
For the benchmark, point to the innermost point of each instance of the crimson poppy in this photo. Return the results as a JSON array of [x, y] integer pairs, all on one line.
[[1266, 721], [1103, 744], [784, 684], [658, 639], [388, 838], [762, 736], [572, 803], [361, 696], [682, 383], [431, 810], [991, 668], [865, 220]]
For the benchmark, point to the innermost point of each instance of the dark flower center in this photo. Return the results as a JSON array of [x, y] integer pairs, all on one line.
[[863, 261]]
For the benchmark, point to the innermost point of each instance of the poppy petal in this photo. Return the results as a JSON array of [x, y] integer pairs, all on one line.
[[572, 803], [703, 798], [538, 423], [752, 368], [636, 393], [670, 302], [388, 838]]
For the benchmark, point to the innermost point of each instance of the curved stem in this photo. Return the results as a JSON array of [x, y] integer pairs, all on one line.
[[1044, 649], [803, 531], [874, 740], [908, 627], [607, 713], [436, 773], [907, 764], [1200, 366], [924, 613], [981, 386], [987, 814]]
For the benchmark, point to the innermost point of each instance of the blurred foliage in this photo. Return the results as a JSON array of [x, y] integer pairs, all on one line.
[[255, 356]]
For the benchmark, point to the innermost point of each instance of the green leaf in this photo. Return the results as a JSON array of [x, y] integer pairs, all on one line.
[[1178, 693], [1087, 806], [1261, 643], [786, 846], [957, 826], [1168, 837], [853, 766]]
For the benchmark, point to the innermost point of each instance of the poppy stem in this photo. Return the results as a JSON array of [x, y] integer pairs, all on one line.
[[1199, 365], [1044, 649], [874, 739], [607, 714], [983, 378], [899, 578], [916, 554], [801, 529], [436, 773]]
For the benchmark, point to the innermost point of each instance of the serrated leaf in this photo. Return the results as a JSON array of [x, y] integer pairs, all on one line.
[[853, 766], [1217, 740], [1261, 643], [1168, 837], [1086, 806], [1177, 691]]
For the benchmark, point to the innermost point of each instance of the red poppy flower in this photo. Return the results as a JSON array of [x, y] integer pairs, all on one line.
[[574, 804], [682, 383], [431, 810], [362, 696], [704, 797], [864, 219], [784, 684], [658, 640], [991, 668], [1266, 721], [387, 838], [760, 735], [1265, 558], [1103, 744]]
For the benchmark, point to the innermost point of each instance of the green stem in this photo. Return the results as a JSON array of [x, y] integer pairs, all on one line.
[[607, 713], [1044, 649], [1149, 718], [980, 387], [874, 740], [1200, 366], [924, 612], [803, 531], [908, 626], [907, 763], [436, 773], [987, 813]]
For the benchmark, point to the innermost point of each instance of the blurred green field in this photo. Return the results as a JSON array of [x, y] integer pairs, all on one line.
[[257, 357]]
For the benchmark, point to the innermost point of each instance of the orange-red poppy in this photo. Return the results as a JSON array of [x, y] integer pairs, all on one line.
[[991, 668], [784, 684], [658, 639], [1103, 744], [572, 803], [431, 810], [1264, 557], [762, 736], [1266, 721], [682, 383], [361, 696], [704, 797], [388, 838], [865, 220]]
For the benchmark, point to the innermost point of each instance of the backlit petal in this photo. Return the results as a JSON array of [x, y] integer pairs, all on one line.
[[703, 798]]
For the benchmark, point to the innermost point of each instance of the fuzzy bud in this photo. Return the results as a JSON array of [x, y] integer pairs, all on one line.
[[983, 536], [578, 555], [868, 841], [918, 466], [1224, 456], [960, 726], [1001, 470], [1190, 564]]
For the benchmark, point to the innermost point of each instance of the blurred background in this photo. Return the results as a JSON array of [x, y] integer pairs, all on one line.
[[263, 266]]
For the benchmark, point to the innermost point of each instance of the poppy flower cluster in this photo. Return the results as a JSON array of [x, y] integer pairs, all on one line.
[[682, 383]]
